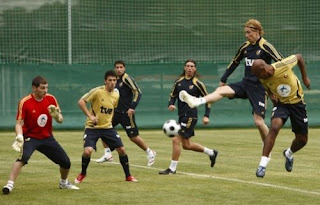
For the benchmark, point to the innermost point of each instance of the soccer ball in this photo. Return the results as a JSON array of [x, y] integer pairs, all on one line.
[[171, 128]]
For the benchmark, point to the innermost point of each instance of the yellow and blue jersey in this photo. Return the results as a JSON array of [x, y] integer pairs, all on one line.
[[103, 104], [284, 84]]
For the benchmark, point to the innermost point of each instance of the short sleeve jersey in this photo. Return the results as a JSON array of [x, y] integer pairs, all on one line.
[[103, 104], [284, 84], [36, 117]]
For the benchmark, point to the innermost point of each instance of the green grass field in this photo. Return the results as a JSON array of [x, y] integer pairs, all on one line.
[[231, 181]]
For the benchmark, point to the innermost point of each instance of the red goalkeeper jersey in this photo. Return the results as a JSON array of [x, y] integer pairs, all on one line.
[[36, 117]]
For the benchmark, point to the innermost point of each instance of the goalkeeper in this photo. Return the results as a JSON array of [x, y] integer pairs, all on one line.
[[34, 132]]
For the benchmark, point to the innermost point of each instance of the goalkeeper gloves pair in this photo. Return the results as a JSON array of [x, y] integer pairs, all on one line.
[[55, 113]]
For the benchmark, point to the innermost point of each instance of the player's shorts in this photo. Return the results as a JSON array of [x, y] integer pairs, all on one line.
[[187, 126], [49, 147], [255, 92], [109, 136], [128, 123], [296, 112]]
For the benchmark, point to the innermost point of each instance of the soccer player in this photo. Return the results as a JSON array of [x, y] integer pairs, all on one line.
[[286, 92], [256, 47], [130, 95], [188, 117], [103, 101], [34, 132]]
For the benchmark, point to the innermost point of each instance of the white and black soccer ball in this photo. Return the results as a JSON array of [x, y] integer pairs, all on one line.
[[171, 128]]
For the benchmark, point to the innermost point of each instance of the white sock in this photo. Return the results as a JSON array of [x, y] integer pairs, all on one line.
[[107, 150], [148, 150], [173, 165], [11, 182], [63, 181], [264, 161], [208, 151], [289, 153], [202, 100]]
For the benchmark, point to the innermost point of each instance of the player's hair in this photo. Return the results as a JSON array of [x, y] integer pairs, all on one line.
[[255, 25], [39, 80], [195, 64], [109, 73], [119, 62]]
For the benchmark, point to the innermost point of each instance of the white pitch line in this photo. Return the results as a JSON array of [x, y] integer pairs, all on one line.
[[233, 180], [205, 176]]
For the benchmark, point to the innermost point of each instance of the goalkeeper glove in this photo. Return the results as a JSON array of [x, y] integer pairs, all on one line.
[[18, 143], [54, 112]]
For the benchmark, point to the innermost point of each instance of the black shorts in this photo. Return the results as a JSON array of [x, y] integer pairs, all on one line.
[[128, 123], [187, 126], [255, 92], [49, 147], [296, 112], [109, 136]]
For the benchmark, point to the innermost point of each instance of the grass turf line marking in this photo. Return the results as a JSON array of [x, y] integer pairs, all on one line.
[[232, 180], [204, 176]]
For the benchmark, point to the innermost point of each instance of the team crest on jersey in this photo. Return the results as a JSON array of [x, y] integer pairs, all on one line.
[[120, 84], [191, 86], [258, 52], [42, 120], [284, 90]]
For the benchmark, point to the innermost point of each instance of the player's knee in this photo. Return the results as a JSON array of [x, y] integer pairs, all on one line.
[[218, 91], [121, 151], [259, 123], [186, 146], [65, 163], [87, 152]]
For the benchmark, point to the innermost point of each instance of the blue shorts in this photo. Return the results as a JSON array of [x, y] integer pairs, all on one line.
[[296, 112], [128, 123], [109, 136], [255, 92], [49, 147], [187, 126]]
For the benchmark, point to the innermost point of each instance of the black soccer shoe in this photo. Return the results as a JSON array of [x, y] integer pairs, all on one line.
[[213, 158], [167, 172]]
